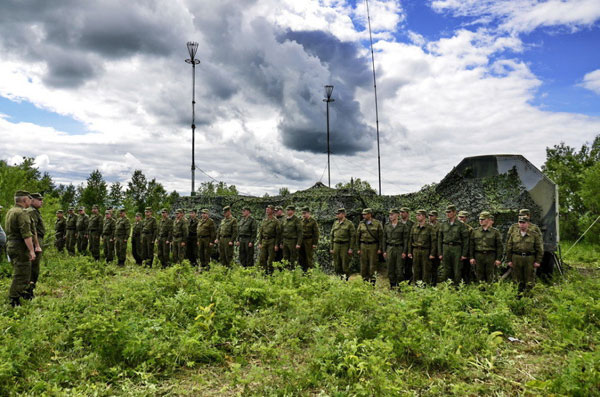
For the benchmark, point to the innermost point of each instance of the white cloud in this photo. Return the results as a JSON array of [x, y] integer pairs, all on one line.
[[591, 81]]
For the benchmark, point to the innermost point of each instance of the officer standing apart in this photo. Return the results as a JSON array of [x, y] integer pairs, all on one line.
[[453, 242], [269, 235], [108, 236], [310, 240], [395, 242], [524, 251], [485, 249], [20, 247], [291, 233], [136, 239], [422, 248], [248, 228], [342, 243], [71, 230], [207, 232], [370, 236], [149, 234], [122, 230], [192, 240], [95, 229], [165, 237], [226, 235], [82, 231], [180, 236], [60, 231], [40, 230]]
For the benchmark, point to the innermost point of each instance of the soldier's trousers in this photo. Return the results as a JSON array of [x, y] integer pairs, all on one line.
[[267, 255], [204, 250], [71, 241], [121, 249], [421, 265], [109, 248], [147, 249], [178, 250], [19, 258], [485, 267], [164, 251], [278, 255], [368, 261], [191, 249], [451, 266], [82, 244], [59, 242], [290, 252], [246, 252], [225, 251], [136, 248], [395, 264], [468, 272], [523, 272], [95, 245], [435, 270], [341, 259], [408, 263], [306, 254]]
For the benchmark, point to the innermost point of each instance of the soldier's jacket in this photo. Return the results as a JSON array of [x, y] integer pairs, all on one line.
[[60, 226], [531, 243], [269, 229], [423, 237], [396, 236], [470, 229], [532, 227], [291, 229], [343, 233], [165, 229], [409, 224], [192, 227], [206, 228], [228, 229], [180, 229], [122, 228], [370, 233], [95, 223], [150, 227], [248, 228], [71, 222], [38, 222], [17, 225], [108, 228], [486, 241], [82, 223], [137, 228], [310, 229], [453, 234]]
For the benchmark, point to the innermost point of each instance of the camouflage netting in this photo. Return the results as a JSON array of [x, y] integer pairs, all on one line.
[[502, 195]]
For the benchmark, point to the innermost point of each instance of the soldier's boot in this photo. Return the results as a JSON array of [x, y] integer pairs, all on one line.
[[393, 285], [14, 302], [28, 293]]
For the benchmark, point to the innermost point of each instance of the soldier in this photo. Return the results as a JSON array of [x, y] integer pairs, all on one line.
[[453, 242], [269, 236], [2, 241], [422, 248], [291, 236], [408, 224], [192, 240], [226, 235], [435, 262], [37, 201], [122, 230], [485, 249], [248, 227], [395, 243], [180, 236], [71, 230], [136, 239], [108, 236], [206, 232], [532, 226], [60, 231], [82, 231], [524, 251], [20, 247], [468, 270], [369, 235], [149, 233], [342, 243], [95, 229], [310, 240], [279, 217], [165, 237]]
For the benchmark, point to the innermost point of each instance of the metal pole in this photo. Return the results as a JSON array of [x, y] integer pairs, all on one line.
[[328, 151], [375, 88], [193, 193]]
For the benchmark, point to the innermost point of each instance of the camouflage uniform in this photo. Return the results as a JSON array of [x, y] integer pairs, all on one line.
[[269, 236], [71, 233], [291, 236], [485, 248], [342, 239], [227, 233], [60, 232], [207, 233], [408, 223], [248, 228], [39, 230], [370, 237], [82, 230], [310, 237], [149, 233], [191, 246], [279, 252], [435, 262], [523, 251], [95, 228], [122, 229], [136, 241], [165, 239], [180, 236], [422, 244], [453, 242], [108, 238], [18, 229], [395, 243]]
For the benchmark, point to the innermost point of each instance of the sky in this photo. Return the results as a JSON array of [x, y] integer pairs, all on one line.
[[103, 85]]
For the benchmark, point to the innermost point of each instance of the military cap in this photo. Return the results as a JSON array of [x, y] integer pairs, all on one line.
[[290, 208], [523, 218], [81, 208], [463, 213], [109, 208], [246, 208], [422, 212], [164, 210], [179, 211], [37, 196], [485, 215], [226, 208], [451, 207], [193, 210], [22, 193], [340, 210], [138, 214], [394, 211], [404, 209], [121, 209], [524, 211], [433, 213], [71, 209], [149, 209], [58, 212], [95, 206], [271, 206], [491, 216], [305, 209], [278, 208], [108, 212], [205, 211], [367, 211]]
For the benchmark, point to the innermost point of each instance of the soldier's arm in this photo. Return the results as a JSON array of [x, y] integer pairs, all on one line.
[[213, 231], [234, 230], [299, 232], [384, 240], [409, 249], [440, 240], [499, 246], [539, 248], [186, 231], [380, 237], [471, 245], [316, 233], [509, 247], [278, 233], [465, 235], [353, 238], [433, 236], [253, 231]]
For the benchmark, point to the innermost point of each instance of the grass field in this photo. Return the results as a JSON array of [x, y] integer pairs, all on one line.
[[101, 330]]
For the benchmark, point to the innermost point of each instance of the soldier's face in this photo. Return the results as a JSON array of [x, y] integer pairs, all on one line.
[[279, 212], [393, 217], [268, 211], [193, 215], [367, 217], [36, 203], [138, 218], [148, 214], [178, 215], [60, 215], [432, 218], [404, 215], [462, 218], [204, 215], [306, 215], [290, 212], [108, 216], [450, 214], [523, 225], [164, 214], [94, 210], [122, 214], [341, 216], [245, 213], [420, 218]]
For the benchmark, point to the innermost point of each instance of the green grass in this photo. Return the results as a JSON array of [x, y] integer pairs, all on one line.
[[102, 330], [582, 255]]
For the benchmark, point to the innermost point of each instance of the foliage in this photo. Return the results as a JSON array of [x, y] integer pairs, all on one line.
[[68, 196], [210, 188], [23, 176], [583, 254], [284, 191], [116, 195], [355, 184], [136, 190], [95, 190]]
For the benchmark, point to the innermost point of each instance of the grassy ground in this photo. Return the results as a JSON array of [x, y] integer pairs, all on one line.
[[101, 330], [581, 255]]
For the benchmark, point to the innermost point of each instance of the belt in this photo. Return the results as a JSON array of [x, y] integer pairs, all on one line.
[[268, 237], [486, 252], [452, 244], [290, 238], [341, 242], [523, 253], [225, 236], [420, 247], [368, 242], [394, 245]]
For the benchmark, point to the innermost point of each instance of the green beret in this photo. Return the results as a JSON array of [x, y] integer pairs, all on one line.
[[433, 213], [58, 212], [463, 213], [290, 208], [404, 209], [422, 212], [485, 215], [37, 196], [226, 208], [523, 218], [149, 209], [138, 214], [246, 208], [22, 193], [179, 211], [394, 211], [205, 211], [524, 211], [367, 211], [450, 208], [340, 210]]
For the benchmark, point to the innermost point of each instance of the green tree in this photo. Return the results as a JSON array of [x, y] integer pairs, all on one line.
[[355, 184], [173, 197], [95, 190], [23, 176], [115, 196], [157, 195], [210, 188], [137, 189], [68, 196], [284, 191]]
